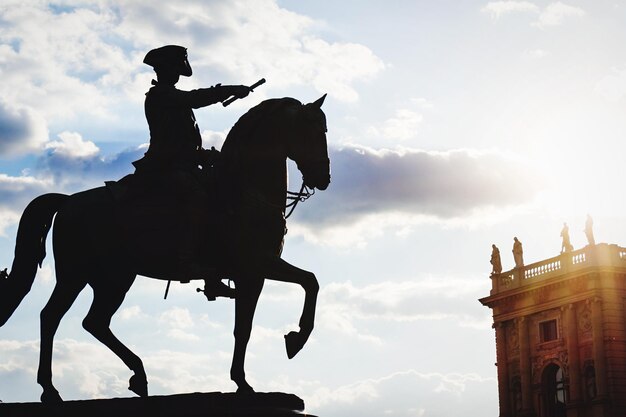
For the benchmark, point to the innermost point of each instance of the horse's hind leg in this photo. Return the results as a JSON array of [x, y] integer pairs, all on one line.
[[107, 299], [63, 296]]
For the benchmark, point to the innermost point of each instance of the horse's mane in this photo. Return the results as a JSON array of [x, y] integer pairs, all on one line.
[[257, 115]]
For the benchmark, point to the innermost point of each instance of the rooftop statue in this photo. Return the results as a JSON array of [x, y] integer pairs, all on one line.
[[230, 206], [518, 253], [566, 245], [589, 231], [496, 262]]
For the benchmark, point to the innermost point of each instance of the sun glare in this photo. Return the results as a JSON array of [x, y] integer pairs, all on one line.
[[577, 182]]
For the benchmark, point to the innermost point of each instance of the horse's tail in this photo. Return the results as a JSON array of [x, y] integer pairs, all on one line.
[[30, 251]]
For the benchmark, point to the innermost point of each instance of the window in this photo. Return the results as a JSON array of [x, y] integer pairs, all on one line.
[[548, 330], [516, 395], [590, 382], [553, 391]]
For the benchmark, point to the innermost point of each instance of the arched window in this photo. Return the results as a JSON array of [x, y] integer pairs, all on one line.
[[553, 391]]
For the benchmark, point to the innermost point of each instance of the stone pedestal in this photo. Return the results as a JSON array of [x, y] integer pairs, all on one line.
[[214, 404]]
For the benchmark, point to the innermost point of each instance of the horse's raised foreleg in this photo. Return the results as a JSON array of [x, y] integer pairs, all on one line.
[[107, 299], [248, 291], [62, 298], [281, 270]]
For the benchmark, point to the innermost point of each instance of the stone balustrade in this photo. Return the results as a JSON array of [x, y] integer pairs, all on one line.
[[597, 255]]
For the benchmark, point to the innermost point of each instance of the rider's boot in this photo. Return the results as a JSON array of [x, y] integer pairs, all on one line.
[[192, 212], [214, 287], [190, 268]]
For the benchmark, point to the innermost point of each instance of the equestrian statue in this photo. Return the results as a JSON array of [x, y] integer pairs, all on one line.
[[186, 213]]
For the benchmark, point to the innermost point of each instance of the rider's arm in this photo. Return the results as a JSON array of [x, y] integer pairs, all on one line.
[[206, 96]]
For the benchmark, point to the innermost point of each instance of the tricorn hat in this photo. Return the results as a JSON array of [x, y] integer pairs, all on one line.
[[172, 56]]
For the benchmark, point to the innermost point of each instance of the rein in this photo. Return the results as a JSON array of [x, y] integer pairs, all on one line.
[[304, 194]]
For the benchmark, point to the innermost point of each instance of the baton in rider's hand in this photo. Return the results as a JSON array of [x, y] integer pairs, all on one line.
[[251, 89]]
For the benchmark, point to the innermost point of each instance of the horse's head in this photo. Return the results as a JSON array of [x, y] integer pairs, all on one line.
[[309, 150]]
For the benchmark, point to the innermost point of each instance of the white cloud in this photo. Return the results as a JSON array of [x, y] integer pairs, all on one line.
[[22, 130], [182, 335], [537, 53], [72, 145], [406, 393], [129, 313], [555, 13], [613, 86], [177, 317], [402, 126], [91, 64], [422, 103], [500, 8], [443, 185], [405, 301], [15, 194], [68, 165], [85, 370]]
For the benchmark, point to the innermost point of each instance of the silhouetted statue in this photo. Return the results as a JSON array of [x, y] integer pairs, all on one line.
[[589, 230], [96, 241], [175, 153], [496, 262], [518, 253], [566, 245]]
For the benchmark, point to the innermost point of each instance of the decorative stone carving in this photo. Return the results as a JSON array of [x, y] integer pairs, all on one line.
[[564, 359], [584, 321], [513, 339]]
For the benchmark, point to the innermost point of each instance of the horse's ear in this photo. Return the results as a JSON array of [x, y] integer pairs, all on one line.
[[320, 101]]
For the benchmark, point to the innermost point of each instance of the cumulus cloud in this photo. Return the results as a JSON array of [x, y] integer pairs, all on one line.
[[75, 163], [498, 9], [553, 14], [84, 370], [72, 145], [402, 126], [439, 184], [21, 130], [348, 309], [613, 85], [406, 393], [67, 165], [15, 194], [91, 64]]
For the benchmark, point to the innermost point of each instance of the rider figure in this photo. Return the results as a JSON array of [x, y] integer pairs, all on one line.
[[176, 151]]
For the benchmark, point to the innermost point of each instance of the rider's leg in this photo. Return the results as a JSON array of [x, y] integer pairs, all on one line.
[[192, 215]]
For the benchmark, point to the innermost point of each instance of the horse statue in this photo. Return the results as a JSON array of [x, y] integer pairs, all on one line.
[[244, 242]]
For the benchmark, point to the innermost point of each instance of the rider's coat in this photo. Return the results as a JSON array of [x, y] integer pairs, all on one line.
[[174, 133]]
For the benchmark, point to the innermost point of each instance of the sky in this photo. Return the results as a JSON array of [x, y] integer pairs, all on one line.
[[451, 126]]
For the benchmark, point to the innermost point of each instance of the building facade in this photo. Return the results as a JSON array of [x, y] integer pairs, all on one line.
[[560, 328]]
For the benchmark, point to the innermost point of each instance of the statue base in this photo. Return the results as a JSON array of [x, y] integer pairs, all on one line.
[[213, 404]]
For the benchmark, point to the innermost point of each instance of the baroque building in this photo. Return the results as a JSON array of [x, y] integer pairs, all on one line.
[[560, 328]]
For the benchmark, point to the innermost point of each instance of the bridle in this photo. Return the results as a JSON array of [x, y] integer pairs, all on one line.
[[296, 197]]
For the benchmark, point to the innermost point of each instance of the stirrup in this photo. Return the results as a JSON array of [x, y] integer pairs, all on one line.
[[214, 288]]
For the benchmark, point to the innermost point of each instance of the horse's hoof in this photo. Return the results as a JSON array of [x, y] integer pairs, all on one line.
[[138, 385], [294, 342], [51, 396], [244, 388]]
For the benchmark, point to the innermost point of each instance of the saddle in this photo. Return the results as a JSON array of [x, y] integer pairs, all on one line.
[[152, 216]]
